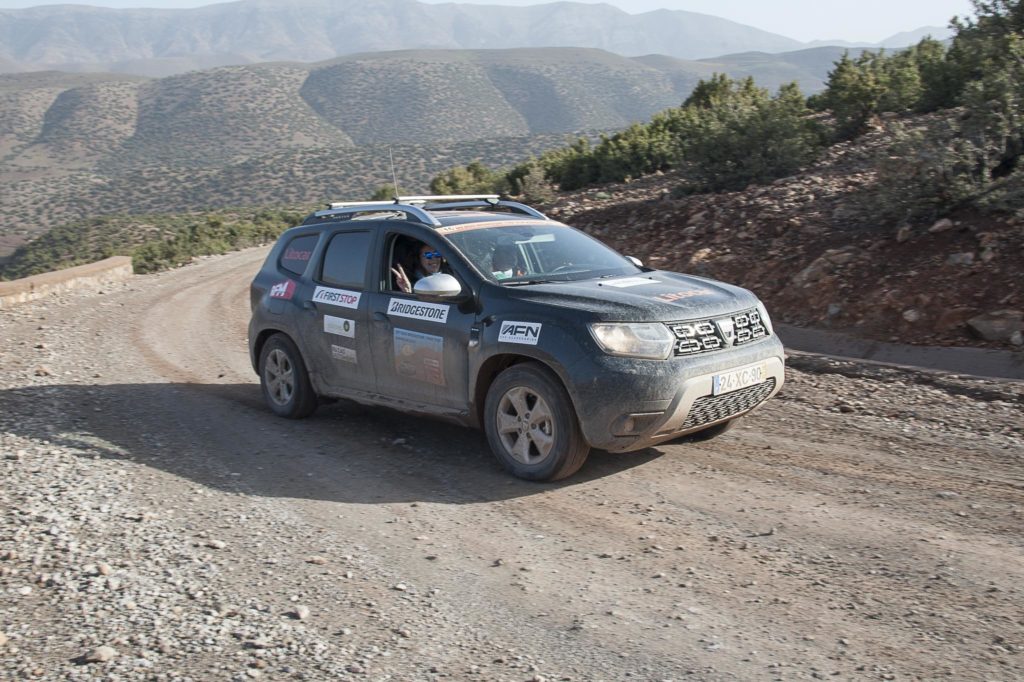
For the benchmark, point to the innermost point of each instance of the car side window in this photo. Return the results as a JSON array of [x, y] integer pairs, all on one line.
[[298, 252], [346, 259]]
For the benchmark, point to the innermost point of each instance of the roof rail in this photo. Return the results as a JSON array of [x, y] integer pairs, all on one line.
[[447, 197], [513, 206], [353, 207], [417, 207]]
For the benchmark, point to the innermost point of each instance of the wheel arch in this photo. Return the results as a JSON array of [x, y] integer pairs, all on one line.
[[261, 340], [498, 363]]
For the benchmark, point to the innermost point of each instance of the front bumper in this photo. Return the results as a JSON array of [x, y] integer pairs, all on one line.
[[628, 404]]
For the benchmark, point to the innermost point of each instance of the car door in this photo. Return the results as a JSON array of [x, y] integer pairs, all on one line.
[[334, 316], [421, 348]]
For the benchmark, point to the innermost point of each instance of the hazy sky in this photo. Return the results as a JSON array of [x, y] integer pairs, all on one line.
[[805, 20]]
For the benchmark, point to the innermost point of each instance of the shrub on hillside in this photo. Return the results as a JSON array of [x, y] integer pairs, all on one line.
[[473, 178], [973, 159], [918, 79], [733, 133]]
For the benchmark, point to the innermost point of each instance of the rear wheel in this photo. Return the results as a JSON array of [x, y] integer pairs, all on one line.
[[285, 380], [531, 424]]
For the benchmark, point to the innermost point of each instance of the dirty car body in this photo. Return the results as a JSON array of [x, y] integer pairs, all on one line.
[[563, 346]]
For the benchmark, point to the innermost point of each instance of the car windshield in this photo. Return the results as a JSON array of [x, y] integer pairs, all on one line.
[[526, 252]]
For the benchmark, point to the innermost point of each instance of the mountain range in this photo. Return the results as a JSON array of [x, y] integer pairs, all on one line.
[[159, 42], [78, 144]]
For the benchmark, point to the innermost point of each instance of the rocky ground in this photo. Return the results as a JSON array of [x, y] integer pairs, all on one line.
[[159, 524], [807, 246]]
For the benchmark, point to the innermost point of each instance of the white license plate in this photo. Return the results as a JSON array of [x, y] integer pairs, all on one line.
[[737, 379]]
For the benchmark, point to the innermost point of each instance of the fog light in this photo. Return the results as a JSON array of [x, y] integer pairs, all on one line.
[[634, 424]]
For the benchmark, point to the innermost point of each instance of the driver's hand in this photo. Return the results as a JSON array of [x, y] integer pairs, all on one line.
[[401, 279]]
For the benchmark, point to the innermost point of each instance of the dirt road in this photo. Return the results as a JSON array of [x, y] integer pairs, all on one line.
[[866, 524]]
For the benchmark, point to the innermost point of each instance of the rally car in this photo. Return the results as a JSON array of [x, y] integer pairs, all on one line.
[[488, 313]]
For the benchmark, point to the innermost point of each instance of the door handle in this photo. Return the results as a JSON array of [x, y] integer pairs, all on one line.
[[379, 316], [309, 305]]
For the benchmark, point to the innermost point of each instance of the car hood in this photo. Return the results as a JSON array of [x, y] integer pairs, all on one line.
[[656, 296]]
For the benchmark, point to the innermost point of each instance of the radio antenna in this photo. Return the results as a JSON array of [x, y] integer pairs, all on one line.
[[394, 177]]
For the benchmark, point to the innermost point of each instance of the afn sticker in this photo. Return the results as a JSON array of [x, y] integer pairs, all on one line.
[[283, 290], [520, 332], [338, 297], [435, 312], [340, 326], [343, 354]]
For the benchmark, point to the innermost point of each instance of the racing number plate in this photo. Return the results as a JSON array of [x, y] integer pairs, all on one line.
[[737, 379]]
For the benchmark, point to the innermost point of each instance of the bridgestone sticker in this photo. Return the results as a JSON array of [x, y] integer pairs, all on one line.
[[435, 312], [419, 356], [527, 333], [340, 326], [338, 297], [630, 282], [343, 354]]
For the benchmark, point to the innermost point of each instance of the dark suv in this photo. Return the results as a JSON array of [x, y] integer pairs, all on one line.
[[546, 338]]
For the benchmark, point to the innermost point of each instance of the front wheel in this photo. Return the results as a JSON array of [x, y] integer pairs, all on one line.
[[285, 380], [531, 424]]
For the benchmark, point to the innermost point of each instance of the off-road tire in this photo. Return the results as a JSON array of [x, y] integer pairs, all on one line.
[[531, 424], [285, 380]]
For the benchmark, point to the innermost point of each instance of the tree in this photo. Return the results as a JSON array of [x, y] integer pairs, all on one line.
[[474, 178], [745, 136], [384, 193]]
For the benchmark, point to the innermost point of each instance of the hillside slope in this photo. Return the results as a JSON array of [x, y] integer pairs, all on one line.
[[806, 245]]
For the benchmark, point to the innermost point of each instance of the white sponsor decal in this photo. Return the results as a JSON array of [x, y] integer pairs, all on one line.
[[630, 282], [520, 332], [342, 353], [419, 356], [340, 326], [338, 297], [435, 312]]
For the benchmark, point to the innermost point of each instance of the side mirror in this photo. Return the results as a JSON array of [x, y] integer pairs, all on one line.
[[635, 261], [438, 286]]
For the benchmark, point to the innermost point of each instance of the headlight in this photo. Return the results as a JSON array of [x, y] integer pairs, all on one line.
[[634, 339]]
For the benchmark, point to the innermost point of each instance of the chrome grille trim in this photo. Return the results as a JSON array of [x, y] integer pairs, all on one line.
[[728, 331]]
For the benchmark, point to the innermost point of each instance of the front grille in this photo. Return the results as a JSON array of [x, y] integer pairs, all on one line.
[[728, 331], [713, 408]]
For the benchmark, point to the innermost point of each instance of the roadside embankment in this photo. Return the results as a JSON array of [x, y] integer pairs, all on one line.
[[115, 269]]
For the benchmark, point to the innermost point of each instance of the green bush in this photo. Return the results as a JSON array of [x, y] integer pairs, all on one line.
[[473, 178], [916, 79], [974, 157], [733, 134]]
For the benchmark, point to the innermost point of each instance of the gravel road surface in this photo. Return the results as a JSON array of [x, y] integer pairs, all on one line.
[[158, 523]]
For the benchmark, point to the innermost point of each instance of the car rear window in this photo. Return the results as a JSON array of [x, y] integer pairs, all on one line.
[[298, 252], [345, 260]]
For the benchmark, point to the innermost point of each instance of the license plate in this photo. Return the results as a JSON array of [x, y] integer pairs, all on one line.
[[737, 379]]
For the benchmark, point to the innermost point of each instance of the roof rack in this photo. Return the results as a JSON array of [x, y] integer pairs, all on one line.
[[353, 207], [439, 202], [417, 207]]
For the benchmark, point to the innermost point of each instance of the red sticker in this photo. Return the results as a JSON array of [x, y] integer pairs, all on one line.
[[283, 290], [295, 254], [681, 295]]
